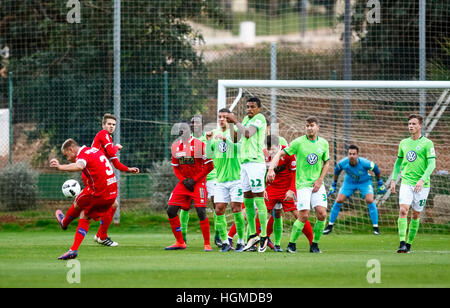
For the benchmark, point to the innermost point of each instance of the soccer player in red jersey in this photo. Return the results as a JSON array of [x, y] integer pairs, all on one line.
[[99, 193], [191, 167], [280, 193], [103, 141]]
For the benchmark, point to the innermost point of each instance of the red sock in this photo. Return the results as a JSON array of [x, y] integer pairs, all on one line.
[[232, 231], [82, 230], [258, 225], [270, 226], [72, 213], [204, 225], [105, 222], [176, 229], [308, 232]]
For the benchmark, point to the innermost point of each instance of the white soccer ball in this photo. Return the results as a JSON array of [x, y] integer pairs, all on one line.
[[71, 188]]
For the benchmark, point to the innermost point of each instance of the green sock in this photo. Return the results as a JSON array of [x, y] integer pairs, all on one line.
[[413, 228], [251, 214], [239, 221], [297, 228], [215, 223], [318, 230], [184, 219], [222, 227], [278, 229], [262, 214], [402, 226]]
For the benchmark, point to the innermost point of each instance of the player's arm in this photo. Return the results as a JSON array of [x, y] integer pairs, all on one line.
[[381, 189], [337, 171], [426, 175], [108, 145], [274, 164], [73, 167], [119, 166], [319, 181], [292, 174], [246, 132]]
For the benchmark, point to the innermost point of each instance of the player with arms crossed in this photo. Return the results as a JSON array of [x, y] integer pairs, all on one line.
[[253, 169], [281, 191], [221, 146], [357, 177], [313, 160], [416, 161], [100, 190], [190, 166]]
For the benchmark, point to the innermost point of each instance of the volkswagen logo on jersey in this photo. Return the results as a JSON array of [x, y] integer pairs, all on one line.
[[411, 156], [223, 147], [312, 158]]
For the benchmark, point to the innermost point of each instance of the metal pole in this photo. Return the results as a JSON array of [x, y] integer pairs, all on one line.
[[422, 54], [334, 77], [347, 73], [10, 117], [304, 17], [117, 31], [166, 114], [273, 76]]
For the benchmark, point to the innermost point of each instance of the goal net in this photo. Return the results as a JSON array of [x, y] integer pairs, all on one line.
[[370, 114]]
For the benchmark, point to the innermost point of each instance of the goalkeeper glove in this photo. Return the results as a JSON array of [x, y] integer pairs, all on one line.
[[332, 188], [381, 188], [189, 184]]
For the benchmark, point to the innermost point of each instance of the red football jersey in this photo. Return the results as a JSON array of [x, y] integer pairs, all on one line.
[[103, 141], [283, 172], [190, 158], [98, 173]]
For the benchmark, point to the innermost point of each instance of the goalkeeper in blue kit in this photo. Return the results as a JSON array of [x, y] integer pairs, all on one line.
[[357, 178]]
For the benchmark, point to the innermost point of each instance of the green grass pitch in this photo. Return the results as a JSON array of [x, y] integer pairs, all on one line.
[[29, 259]]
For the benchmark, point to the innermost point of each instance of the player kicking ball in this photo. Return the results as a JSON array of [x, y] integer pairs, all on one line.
[[357, 177], [416, 161], [190, 166]]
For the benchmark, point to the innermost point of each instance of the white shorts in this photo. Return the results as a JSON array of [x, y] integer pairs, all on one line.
[[253, 176], [210, 188], [415, 200], [306, 199], [228, 191]]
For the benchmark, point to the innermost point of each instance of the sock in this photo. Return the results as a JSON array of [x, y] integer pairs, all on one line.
[[318, 230], [373, 213], [251, 213], [278, 229], [308, 232], [102, 232], [413, 228], [176, 229], [270, 226], [82, 230], [216, 231], [402, 226], [72, 213], [297, 228], [258, 225], [221, 227], [262, 214], [335, 212], [239, 225], [184, 219], [204, 225], [232, 231]]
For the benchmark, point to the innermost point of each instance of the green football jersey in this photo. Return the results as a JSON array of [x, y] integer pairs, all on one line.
[[252, 148], [225, 155], [310, 156], [213, 174], [415, 155]]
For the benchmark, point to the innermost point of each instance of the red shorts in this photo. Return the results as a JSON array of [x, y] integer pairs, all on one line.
[[181, 196], [93, 207], [277, 196]]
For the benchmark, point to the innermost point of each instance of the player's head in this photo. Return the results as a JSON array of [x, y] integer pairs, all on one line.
[[70, 149], [253, 106], [223, 117], [353, 154], [182, 129], [272, 143], [312, 126], [109, 122], [196, 125], [415, 122]]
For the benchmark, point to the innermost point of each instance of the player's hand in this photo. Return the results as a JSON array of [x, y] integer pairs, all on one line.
[[316, 185], [231, 118], [266, 196], [419, 186], [189, 184], [393, 187], [54, 163], [289, 195], [209, 135], [381, 188], [270, 175], [332, 188], [220, 136], [133, 170], [119, 147]]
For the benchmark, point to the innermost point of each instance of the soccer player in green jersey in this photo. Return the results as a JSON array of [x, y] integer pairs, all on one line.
[[313, 161], [222, 147], [253, 169], [416, 161]]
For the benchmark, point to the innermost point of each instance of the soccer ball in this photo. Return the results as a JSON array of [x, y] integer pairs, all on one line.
[[71, 188]]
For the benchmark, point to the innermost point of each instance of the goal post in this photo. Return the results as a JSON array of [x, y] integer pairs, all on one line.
[[377, 111]]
